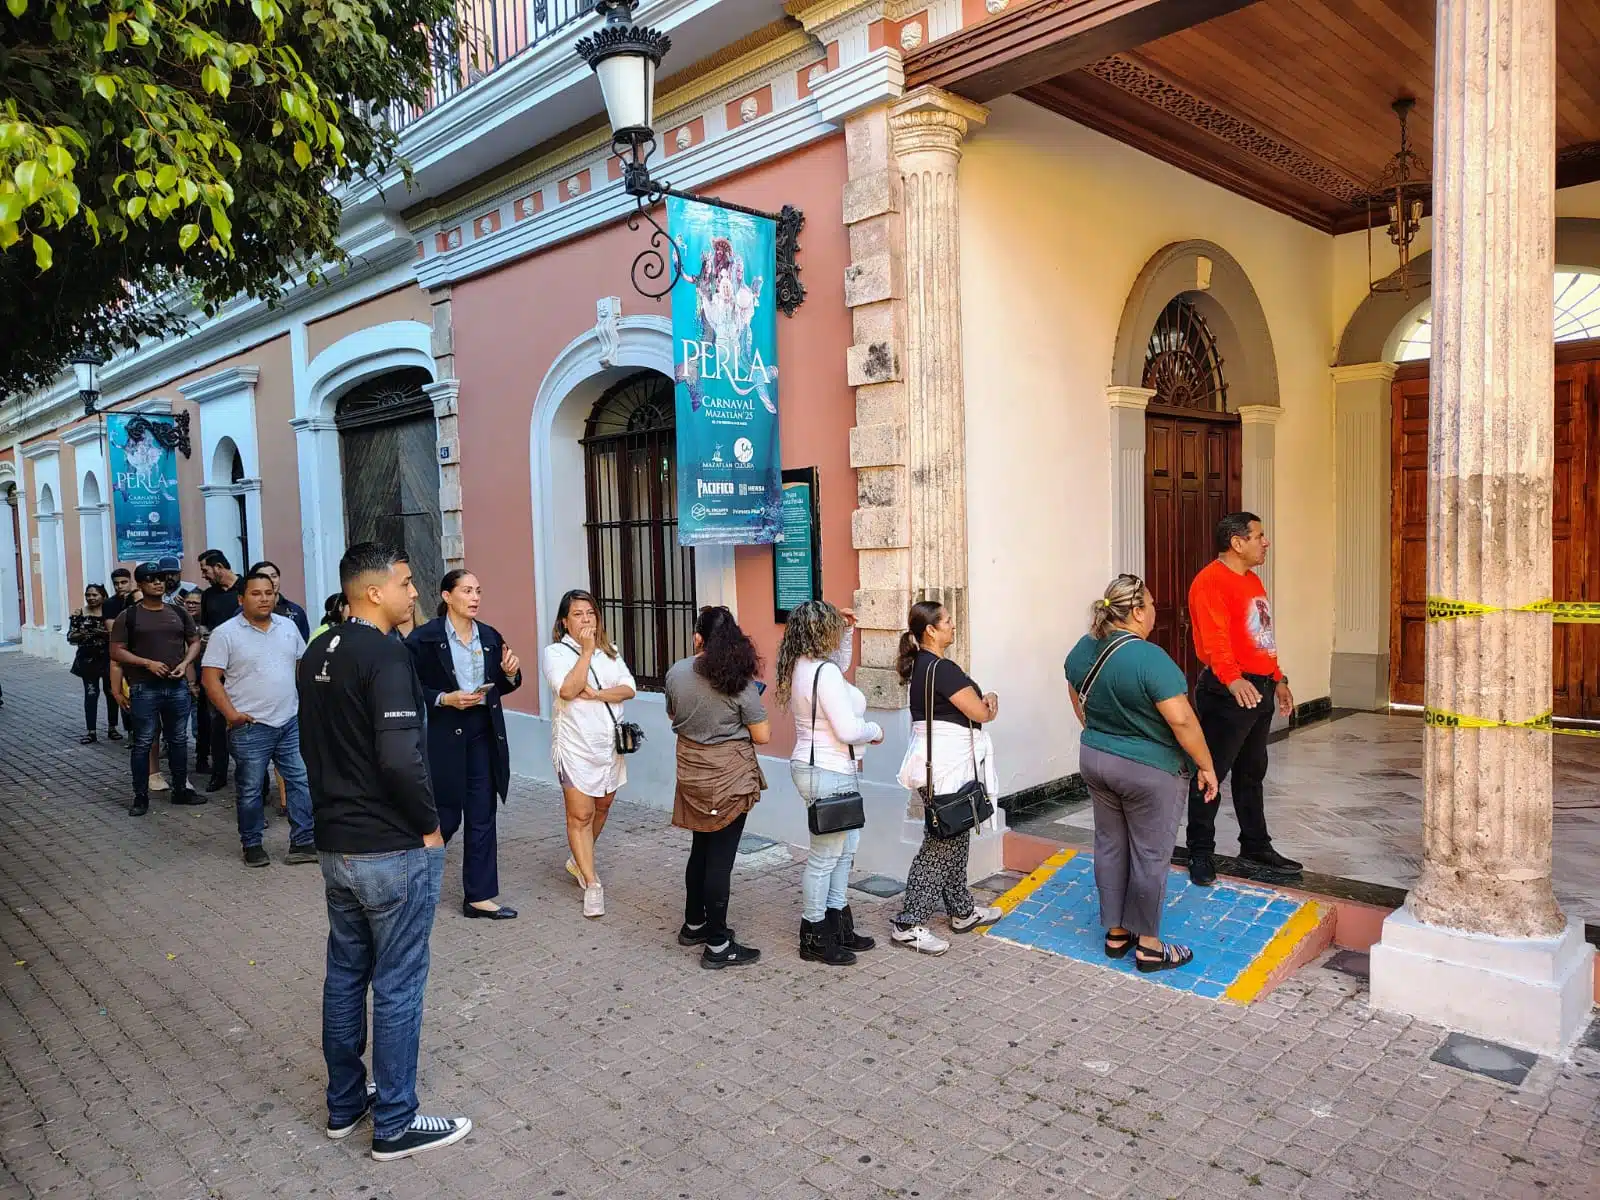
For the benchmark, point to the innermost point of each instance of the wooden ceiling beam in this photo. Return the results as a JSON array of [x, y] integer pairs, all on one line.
[[1036, 42]]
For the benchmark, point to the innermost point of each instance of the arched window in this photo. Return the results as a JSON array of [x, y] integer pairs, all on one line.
[[1182, 363], [1577, 296], [643, 578]]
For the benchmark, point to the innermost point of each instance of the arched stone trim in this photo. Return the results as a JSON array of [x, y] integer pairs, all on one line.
[[11, 621], [1372, 334], [1224, 296], [351, 360], [580, 373]]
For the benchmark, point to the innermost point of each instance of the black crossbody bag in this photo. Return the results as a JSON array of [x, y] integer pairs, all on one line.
[[954, 813], [833, 814], [625, 735]]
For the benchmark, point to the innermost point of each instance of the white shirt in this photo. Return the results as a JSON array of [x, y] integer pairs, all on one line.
[[582, 732], [259, 667], [841, 711]]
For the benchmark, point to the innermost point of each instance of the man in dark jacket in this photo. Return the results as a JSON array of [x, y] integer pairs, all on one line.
[[377, 835]]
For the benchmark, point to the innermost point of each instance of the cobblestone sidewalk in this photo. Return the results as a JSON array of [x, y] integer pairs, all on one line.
[[159, 1010]]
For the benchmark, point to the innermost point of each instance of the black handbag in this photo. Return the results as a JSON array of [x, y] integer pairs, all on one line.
[[958, 812], [832, 814], [625, 735]]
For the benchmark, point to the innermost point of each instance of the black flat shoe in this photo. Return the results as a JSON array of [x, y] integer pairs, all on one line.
[[1202, 869], [1270, 860], [1118, 945], [216, 785], [503, 913], [731, 955]]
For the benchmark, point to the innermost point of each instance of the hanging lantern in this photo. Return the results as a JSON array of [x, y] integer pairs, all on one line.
[[1395, 204]]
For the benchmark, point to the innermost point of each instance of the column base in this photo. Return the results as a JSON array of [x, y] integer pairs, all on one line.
[[1534, 993], [985, 858], [1360, 681]]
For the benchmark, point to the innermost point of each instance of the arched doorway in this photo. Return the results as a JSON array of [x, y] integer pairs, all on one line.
[[50, 558], [1575, 557], [13, 577], [388, 447], [227, 505], [91, 531], [642, 577], [1193, 456]]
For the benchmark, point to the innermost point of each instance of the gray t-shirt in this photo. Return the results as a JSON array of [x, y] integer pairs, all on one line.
[[702, 714], [258, 667]]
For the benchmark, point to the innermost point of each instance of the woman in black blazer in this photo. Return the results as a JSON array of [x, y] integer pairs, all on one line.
[[465, 667]]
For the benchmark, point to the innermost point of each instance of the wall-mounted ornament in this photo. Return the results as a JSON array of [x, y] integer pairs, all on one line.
[[911, 35], [749, 108]]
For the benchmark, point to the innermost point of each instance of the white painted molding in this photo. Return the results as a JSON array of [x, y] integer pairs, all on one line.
[[221, 385], [312, 424], [360, 356], [81, 435], [876, 79], [42, 449], [1361, 372], [1118, 396], [158, 406], [48, 518], [1260, 414], [243, 488]]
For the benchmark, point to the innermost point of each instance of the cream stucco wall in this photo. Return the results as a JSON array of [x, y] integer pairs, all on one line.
[[1056, 223]]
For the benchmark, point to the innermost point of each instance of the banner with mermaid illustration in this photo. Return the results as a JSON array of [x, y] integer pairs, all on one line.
[[725, 339], [144, 489]]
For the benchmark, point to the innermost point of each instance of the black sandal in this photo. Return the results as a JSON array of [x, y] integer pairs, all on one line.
[[1172, 957], [1116, 951]]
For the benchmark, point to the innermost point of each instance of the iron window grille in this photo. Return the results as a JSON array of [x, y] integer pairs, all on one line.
[[1182, 363]]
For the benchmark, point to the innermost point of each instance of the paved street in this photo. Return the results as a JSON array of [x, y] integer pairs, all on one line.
[[159, 1037]]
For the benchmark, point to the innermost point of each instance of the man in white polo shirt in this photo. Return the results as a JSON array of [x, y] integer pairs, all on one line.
[[249, 676]]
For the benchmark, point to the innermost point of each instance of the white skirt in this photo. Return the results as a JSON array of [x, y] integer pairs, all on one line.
[[954, 749], [583, 767]]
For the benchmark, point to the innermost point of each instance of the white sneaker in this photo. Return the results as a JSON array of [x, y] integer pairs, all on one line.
[[572, 869], [976, 919], [919, 938], [594, 901], [158, 784]]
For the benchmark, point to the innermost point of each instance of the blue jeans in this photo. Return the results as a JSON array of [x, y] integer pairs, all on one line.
[[380, 915], [827, 870], [166, 702], [254, 746]]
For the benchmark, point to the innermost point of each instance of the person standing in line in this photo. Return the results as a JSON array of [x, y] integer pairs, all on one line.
[[284, 606], [830, 722], [465, 667], [173, 583], [715, 704], [1139, 738], [1236, 695], [153, 643], [123, 593], [200, 723], [960, 753], [377, 835], [249, 673], [333, 612], [219, 603], [590, 683], [92, 661]]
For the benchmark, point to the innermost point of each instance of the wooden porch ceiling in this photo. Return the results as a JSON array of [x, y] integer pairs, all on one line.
[[1284, 101]]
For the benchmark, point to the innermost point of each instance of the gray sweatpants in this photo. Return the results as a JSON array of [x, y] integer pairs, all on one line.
[[1136, 812]]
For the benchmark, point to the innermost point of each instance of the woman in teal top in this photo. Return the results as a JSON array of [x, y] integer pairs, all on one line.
[[1139, 738]]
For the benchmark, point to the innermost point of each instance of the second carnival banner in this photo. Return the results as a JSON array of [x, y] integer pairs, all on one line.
[[725, 354], [144, 488]]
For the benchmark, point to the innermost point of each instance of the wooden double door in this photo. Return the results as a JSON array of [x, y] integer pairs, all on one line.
[[1192, 481], [1575, 530]]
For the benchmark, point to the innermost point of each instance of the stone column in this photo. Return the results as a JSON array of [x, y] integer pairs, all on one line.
[[1481, 944], [1258, 446], [1128, 406], [445, 394], [1361, 452], [928, 126]]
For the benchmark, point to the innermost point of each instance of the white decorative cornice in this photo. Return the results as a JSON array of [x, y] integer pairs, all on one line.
[[92, 510], [1260, 414], [43, 449], [1120, 396], [155, 406], [877, 78], [444, 393], [238, 487], [1362, 372], [312, 424], [81, 435], [221, 385]]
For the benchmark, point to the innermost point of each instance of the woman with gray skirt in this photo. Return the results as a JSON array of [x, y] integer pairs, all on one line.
[[1139, 738]]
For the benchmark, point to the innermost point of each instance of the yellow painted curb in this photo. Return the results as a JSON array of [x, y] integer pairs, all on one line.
[[1033, 881], [1254, 978]]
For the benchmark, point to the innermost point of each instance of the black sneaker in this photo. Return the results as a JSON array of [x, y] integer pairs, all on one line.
[[339, 1132], [256, 856], [138, 808], [1270, 860], [1202, 869], [187, 797], [216, 783], [301, 854], [425, 1133], [694, 937], [731, 955]]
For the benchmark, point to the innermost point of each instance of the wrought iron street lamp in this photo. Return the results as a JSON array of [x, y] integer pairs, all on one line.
[[625, 56], [1395, 202], [86, 366]]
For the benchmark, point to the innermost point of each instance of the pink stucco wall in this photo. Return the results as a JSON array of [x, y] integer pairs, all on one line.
[[509, 326], [409, 303]]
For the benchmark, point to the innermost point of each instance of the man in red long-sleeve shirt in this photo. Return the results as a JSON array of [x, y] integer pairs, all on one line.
[[1232, 622]]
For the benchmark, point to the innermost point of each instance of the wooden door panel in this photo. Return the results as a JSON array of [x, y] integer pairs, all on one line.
[[1408, 536]]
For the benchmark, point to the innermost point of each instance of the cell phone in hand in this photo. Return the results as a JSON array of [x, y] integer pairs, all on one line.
[[483, 689]]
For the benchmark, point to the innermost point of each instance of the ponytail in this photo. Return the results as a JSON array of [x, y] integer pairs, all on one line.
[[1123, 595], [924, 613]]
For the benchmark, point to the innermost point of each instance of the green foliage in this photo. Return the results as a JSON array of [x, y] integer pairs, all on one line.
[[145, 143]]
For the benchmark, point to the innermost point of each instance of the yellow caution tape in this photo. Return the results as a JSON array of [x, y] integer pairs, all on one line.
[[1570, 612], [1440, 718]]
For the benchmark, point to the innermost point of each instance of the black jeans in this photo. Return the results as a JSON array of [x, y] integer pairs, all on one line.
[[202, 732], [709, 878], [95, 686], [1237, 738]]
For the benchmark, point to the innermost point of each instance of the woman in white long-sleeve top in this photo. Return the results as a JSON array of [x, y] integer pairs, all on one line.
[[830, 722]]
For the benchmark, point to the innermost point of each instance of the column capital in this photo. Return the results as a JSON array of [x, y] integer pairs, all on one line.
[[1119, 395], [932, 119], [312, 424], [444, 394], [1363, 372], [1259, 414]]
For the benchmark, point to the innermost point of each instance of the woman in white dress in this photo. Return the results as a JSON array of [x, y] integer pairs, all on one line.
[[590, 682]]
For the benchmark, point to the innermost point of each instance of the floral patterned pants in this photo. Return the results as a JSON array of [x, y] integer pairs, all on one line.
[[938, 876]]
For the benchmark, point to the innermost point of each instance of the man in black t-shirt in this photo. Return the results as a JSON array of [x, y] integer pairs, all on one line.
[[122, 594], [218, 603], [377, 835]]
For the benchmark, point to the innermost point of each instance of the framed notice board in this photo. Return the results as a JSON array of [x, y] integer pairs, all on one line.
[[797, 558]]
